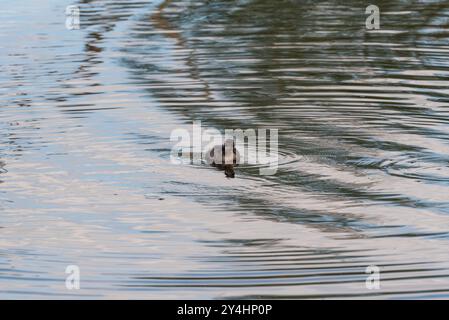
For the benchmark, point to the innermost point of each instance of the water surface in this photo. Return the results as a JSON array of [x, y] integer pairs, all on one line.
[[85, 176]]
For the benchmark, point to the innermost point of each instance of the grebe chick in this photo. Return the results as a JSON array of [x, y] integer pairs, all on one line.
[[224, 157]]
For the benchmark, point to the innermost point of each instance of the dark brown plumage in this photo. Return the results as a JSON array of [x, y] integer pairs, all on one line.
[[224, 157]]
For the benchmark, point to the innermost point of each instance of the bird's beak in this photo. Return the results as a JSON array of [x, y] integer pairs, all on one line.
[[229, 171]]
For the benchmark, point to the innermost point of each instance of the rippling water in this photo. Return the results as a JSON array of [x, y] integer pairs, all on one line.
[[85, 176]]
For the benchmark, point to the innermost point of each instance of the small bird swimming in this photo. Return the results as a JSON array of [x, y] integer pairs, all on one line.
[[224, 157]]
